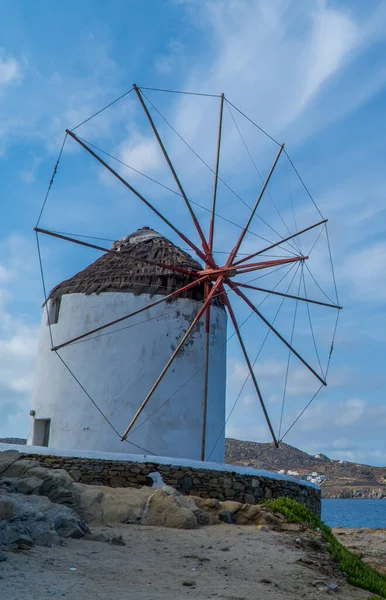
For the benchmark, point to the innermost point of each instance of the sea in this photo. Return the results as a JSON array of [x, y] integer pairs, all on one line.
[[354, 513]]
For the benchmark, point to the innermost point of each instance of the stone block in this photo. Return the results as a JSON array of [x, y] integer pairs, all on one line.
[[249, 499], [229, 493], [238, 486], [117, 482]]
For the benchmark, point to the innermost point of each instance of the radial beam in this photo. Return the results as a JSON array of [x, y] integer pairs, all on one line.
[[175, 176], [248, 268], [171, 359], [259, 289], [272, 328], [119, 254], [290, 237], [232, 271], [244, 231], [133, 314], [136, 193], [250, 367], [215, 182]]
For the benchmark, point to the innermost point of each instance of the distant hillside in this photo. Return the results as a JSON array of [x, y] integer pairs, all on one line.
[[338, 479], [266, 456]]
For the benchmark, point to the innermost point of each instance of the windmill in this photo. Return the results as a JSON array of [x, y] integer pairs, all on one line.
[[218, 281]]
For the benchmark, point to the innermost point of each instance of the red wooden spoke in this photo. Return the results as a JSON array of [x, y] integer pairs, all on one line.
[[244, 231], [249, 365], [290, 237], [266, 265], [136, 312], [234, 287], [176, 178], [134, 191], [119, 254], [171, 359], [214, 197], [259, 289], [231, 271]]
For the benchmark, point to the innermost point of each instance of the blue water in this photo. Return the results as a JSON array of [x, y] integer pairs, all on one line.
[[354, 513]]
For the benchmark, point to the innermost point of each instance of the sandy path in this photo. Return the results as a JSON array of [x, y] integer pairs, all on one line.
[[222, 562]]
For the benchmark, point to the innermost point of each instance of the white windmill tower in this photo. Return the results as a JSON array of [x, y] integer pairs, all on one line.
[[117, 364]]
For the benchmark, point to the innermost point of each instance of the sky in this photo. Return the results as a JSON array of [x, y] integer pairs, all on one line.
[[312, 75]]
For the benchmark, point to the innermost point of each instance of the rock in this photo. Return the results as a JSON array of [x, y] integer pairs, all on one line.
[[163, 510], [189, 583], [29, 485], [249, 499], [16, 468], [203, 518], [3, 557], [117, 541], [225, 516], [225, 549], [36, 520]]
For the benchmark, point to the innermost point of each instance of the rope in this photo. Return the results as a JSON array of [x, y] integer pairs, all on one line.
[[253, 123], [310, 322], [332, 342], [102, 109], [302, 412], [316, 283], [293, 208], [179, 92], [316, 241], [51, 180], [44, 288], [96, 405], [332, 265], [303, 184], [262, 180], [289, 359]]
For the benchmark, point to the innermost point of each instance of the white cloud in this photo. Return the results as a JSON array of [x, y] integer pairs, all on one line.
[[10, 69], [18, 339], [141, 153]]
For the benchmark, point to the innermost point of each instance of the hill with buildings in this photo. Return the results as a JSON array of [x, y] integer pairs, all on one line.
[[337, 478]]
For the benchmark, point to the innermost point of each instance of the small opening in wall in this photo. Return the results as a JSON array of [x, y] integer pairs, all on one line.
[[41, 432], [53, 311]]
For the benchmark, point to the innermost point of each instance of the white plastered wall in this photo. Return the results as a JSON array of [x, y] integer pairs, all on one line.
[[117, 368]]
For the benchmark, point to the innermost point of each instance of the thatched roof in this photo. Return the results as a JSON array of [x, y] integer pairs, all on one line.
[[118, 272]]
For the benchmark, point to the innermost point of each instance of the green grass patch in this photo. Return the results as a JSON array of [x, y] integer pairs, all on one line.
[[358, 573]]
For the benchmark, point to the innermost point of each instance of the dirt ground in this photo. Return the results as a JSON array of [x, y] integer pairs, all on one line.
[[369, 544], [224, 562]]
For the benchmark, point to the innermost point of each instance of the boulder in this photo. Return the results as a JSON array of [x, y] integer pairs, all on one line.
[[27, 520], [162, 509]]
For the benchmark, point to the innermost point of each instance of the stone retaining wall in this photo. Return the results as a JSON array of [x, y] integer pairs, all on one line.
[[206, 483]]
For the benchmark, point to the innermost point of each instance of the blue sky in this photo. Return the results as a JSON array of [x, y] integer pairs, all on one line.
[[310, 73]]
